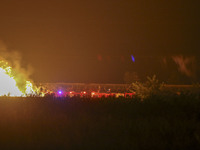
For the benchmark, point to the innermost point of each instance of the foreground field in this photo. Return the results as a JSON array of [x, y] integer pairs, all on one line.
[[47, 123]]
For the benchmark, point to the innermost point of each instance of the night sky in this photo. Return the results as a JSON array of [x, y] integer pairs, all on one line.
[[93, 41]]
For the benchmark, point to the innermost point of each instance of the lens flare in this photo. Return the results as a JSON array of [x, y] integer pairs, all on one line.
[[133, 58]]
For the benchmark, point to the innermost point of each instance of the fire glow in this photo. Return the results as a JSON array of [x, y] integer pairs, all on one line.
[[10, 85]]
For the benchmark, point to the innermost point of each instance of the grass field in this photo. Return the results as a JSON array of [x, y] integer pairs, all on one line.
[[98, 124]]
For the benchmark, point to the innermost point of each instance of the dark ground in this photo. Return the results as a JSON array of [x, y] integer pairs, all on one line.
[[47, 123]]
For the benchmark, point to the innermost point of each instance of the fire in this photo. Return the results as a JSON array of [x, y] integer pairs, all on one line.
[[12, 84]]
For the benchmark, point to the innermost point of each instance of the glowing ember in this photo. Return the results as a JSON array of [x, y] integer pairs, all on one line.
[[10, 85]]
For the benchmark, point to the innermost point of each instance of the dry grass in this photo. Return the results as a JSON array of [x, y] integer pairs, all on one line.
[[47, 123]]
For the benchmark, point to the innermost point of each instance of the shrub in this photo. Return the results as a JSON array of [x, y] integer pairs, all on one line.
[[151, 87]]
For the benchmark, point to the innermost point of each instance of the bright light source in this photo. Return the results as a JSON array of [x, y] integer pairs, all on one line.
[[59, 92], [84, 92], [70, 92], [133, 58]]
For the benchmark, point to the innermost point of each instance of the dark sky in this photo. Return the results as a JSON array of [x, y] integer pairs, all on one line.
[[92, 41]]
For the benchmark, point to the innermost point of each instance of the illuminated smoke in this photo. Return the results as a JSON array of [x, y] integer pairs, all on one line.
[[15, 79], [185, 64]]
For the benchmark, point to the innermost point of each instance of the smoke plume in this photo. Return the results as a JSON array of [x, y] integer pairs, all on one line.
[[14, 59], [186, 65]]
